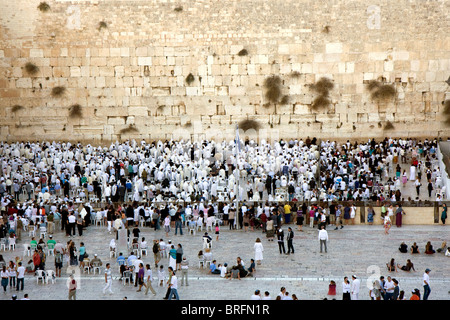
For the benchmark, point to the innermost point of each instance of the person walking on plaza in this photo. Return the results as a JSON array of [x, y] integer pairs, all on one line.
[[108, 279], [173, 285], [20, 276], [149, 277], [140, 276], [426, 284], [323, 238]]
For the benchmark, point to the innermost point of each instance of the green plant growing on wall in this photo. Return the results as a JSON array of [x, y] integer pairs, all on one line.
[[102, 25], [129, 130], [178, 9], [58, 91], [189, 79], [295, 74], [243, 53], [322, 88], [75, 111], [388, 126], [272, 85], [446, 111], [31, 68], [43, 7], [17, 108], [249, 124], [380, 91]]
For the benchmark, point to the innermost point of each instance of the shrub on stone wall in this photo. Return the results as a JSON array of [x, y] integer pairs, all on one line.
[[31, 68], [17, 108], [243, 52], [272, 85], [190, 78], [58, 91], [75, 111], [380, 91], [249, 124], [43, 7]]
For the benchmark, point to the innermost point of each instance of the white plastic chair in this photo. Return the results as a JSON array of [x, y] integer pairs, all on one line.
[[42, 232], [201, 262], [141, 222], [126, 277], [135, 248], [87, 265], [98, 218], [200, 224], [51, 249], [50, 276], [192, 229], [96, 266], [209, 224], [3, 244], [112, 253], [40, 276], [12, 244], [143, 250], [206, 244], [32, 231], [26, 250]]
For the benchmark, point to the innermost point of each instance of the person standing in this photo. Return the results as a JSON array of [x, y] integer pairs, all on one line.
[[426, 284], [444, 213], [398, 215], [259, 249], [71, 225], [290, 239], [72, 288], [323, 238], [184, 271], [346, 287], [356, 283], [173, 285], [389, 288], [20, 276], [108, 279], [5, 277], [149, 277], [280, 236]]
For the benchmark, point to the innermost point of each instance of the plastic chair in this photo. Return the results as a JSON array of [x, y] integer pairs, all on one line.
[[3, 244], [50, 276], [201, 262], [192, 229], [121, 263], [32, 231], [112, 253], [42, 232], [26, 250], [141, 222], [87, 265], [200, 224], [12, 244], [40, 275], [126, 277], [206, 244], [96, 266], [51, 249], [143, 250], [98, 218], [135, 248]]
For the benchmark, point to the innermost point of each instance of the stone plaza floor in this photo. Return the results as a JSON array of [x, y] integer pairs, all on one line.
[[360, 250]]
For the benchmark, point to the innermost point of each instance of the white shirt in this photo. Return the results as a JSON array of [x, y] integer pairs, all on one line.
[[20, 272], [355, 286], [346, 287], [174, 282], [323, 235], [426, 278], [255, 297]]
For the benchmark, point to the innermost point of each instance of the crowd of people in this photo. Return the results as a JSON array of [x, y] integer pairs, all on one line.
[[45, 187]]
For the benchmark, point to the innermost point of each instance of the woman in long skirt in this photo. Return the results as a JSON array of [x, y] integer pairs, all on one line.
[[258, 251], [398, 216]]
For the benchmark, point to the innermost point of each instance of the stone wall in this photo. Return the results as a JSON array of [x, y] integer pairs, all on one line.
[[128, 74]]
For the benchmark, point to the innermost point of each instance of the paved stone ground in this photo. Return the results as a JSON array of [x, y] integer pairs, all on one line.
[[360, 250]]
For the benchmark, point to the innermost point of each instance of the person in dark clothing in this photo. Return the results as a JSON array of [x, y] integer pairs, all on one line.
[[280, 237], [290, 237]]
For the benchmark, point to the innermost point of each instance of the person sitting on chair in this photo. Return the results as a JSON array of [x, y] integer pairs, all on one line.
[[207, 237]]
